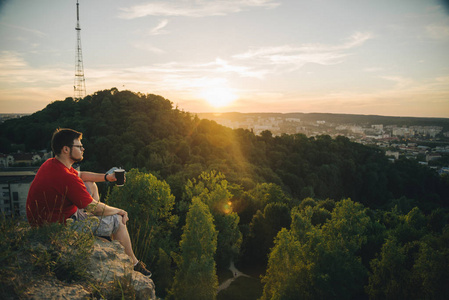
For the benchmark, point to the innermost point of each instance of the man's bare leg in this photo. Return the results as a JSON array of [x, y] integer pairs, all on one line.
[[122, 235]]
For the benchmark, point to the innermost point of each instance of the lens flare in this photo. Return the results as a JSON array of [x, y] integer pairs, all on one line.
[[227, 208]]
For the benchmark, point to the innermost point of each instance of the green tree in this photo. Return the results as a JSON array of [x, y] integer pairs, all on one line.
[[149, 204], [257, 198], [212, 188], [263, 229], [391, 277], [431, 266], [412, 263], [319, 262], [163, 274], [196, 277], [229, 238]]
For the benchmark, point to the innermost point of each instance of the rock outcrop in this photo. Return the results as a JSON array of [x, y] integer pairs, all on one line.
[[108, 263]]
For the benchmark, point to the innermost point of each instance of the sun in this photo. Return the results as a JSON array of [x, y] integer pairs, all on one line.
[[218, 96]]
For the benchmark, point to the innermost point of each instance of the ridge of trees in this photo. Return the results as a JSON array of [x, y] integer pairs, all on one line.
[[145, 131]]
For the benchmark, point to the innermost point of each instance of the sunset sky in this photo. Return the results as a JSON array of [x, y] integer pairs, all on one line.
[[383, 57]]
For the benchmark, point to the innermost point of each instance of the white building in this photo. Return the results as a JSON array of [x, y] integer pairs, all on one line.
[[14, 186], [394, 154], [6, 160]]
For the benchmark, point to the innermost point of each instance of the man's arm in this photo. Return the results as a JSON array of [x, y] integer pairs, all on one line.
[[100, 209], [96, 177]]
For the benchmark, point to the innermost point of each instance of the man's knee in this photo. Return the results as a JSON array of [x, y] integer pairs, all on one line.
[[120, 222]]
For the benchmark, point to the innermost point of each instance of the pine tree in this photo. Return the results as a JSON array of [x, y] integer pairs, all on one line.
[[196, 277]]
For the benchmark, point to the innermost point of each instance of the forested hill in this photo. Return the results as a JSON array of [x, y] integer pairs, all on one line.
[[145, 131]]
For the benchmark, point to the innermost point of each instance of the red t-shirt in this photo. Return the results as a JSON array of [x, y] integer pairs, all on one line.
[[55, 194]]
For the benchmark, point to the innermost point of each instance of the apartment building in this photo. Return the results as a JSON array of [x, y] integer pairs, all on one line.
[[14, 186]]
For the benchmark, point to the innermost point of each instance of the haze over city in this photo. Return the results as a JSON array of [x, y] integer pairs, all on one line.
[[357, 57]]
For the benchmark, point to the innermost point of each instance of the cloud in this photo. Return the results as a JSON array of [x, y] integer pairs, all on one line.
[[438, 32], [158, 29], [11, 60], [14, 70], [30, 30], [194, 8], [24, 88], [223, 66], [373, 69], [400, 82], [218, 67], [148, 47], [297, 56]]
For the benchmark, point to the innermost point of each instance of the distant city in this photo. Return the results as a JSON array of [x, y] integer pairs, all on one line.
[[4, 117], [423, 139]]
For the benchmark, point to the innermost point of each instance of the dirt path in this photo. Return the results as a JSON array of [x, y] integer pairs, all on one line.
[[236, 273]]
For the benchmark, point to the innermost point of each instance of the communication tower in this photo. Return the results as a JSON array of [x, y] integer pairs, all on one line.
[[80, 83]]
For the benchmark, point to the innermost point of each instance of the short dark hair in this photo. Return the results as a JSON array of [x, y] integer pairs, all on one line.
[[63, 137]]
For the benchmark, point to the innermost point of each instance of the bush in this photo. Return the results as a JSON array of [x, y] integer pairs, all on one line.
[[52, 250]]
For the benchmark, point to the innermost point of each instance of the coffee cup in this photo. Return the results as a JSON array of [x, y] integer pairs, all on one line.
[[120, 176]]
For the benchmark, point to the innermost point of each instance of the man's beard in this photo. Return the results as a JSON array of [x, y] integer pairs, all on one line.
[[77, 160]]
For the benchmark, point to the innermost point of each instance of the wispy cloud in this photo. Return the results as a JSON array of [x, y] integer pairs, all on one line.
[[373, 69], [194, 8], [24, 29], [400, 82], [223, 66], [158, 29], [16, 70], [438, 31], [297, 56], [11, 60], [218, 67], [147, 47], [40, 85]]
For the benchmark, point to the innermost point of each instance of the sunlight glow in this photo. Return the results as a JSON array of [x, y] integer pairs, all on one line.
[[227, 208], [218, 96]]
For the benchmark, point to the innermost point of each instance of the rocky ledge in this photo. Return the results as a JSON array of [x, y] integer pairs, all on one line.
[[108, 263]]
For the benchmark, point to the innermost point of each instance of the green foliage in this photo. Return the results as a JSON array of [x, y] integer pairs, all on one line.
[[314, 262], [229, 238], [262, 231], [258, 198], [52, 250], [64, 253], [163, 274], [119, 289], [196, 277], [413, 262], [149, 204], [213, 190]]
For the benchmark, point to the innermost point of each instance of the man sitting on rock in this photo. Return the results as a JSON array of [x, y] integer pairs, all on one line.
[[59, 192]]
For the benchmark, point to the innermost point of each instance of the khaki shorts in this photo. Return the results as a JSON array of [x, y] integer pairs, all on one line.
[[105, 226]]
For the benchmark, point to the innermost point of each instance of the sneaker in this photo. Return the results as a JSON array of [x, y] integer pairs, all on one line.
[[140, 267]]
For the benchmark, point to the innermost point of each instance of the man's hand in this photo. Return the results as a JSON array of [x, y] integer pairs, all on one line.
[[124, 215], [111, 177]]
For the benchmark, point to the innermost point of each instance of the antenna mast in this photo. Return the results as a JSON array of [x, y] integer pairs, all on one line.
[[80, 84]]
